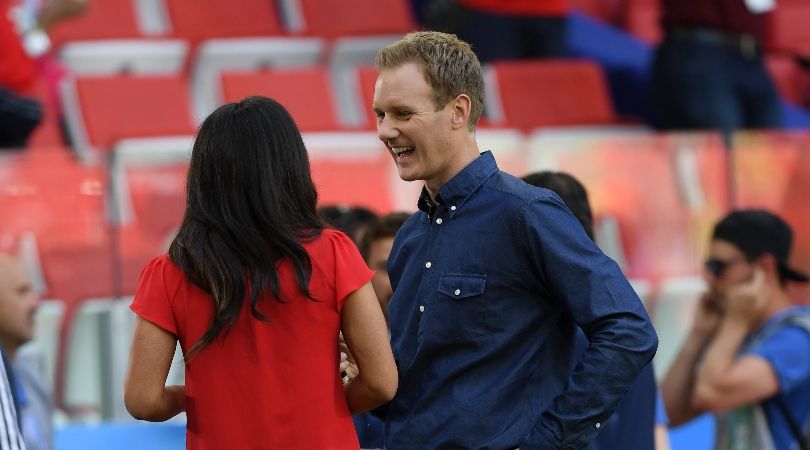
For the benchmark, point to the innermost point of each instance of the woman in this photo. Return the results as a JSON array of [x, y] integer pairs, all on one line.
[[257, 291]]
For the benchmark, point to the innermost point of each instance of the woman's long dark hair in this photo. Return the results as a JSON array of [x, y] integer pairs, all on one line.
[[250, 202]]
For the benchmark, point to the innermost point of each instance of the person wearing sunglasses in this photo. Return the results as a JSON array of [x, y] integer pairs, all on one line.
[[747, 356]]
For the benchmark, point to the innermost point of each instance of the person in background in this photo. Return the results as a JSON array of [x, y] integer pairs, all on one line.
[[18, 306], [257, 290], [709, 71], [352, 220], [745, 358], [491, 278], [637, 423]]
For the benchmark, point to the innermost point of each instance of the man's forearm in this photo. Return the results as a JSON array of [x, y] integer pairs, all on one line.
[[676, 388], [720, 356]]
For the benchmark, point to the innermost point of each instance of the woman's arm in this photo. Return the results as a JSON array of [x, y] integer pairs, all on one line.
[[146, 395], [366, 336]]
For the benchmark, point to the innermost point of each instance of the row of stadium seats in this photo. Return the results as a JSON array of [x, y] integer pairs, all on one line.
[[197, 20], [104, 109]]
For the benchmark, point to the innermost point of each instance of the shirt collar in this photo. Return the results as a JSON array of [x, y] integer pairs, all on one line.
[[461, 186]]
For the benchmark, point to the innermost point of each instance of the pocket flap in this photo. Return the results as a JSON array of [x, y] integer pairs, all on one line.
[[462, 286]]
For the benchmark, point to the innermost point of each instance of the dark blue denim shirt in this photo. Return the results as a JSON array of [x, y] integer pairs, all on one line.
[[489, 285]]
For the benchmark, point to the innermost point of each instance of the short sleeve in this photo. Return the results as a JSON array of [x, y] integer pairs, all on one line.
[[151, 300], [351, 272], [786, 351]]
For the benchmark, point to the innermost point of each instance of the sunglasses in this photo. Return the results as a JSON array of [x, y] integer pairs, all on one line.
[[717, 267]]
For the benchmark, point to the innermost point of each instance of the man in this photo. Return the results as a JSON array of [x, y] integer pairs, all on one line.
[[18, 305], [747, 356], [375, 246], [491, 278], [709, 71], [634, 424]]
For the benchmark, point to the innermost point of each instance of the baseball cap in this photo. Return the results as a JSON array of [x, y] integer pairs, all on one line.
[[756, 232]]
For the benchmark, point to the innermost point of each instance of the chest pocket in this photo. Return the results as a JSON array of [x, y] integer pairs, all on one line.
[[459, 311]]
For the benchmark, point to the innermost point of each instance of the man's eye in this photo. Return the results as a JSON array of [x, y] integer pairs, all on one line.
[[403, 114], [380, 116]]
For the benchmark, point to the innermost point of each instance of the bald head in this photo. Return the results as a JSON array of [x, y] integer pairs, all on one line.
[[18, 304]]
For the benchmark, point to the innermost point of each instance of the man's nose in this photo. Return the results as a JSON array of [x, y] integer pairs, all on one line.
[[386, 131]]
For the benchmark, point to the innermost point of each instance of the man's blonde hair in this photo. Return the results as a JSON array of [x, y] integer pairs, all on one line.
[[449, 65]]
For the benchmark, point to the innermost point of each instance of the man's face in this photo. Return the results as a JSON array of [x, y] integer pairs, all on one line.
[[729, 265], [416, 135], [377, 259], [18, 304]]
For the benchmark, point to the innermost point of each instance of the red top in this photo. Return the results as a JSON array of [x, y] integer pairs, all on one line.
[[731, 16], [17, 70], [265, 384], [520, 7]]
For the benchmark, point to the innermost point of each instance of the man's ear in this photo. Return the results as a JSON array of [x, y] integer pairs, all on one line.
[[461, 106], [769, 265]]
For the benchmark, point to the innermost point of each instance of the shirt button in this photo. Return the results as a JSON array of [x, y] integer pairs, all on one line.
[[421, 308], [598, 425], [458, 292], [439, 221], [453, 208], [428, 264]]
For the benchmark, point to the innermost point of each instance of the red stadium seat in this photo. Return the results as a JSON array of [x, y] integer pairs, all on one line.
[[788, 27], [104, 19], [118, 107], [551, 93], [306, 93], [791, 80], [335, 18], [642, 18], [197, 20]]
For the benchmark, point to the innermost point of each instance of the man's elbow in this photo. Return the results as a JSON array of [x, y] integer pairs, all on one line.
[[708, 398]]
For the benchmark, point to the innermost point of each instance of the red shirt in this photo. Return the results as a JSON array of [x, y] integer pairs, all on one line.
[[265, 385], [520, 7], [731, 16]]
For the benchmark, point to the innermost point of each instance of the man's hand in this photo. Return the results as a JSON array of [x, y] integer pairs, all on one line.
[[747, 301], [708, 314]]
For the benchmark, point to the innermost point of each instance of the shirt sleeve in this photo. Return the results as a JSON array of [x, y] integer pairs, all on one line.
[[152, 300], [351, 272], [786, 351], [10, 436], [601, 301]]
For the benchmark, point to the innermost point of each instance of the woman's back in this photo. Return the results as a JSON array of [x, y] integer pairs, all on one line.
[[264, 384]]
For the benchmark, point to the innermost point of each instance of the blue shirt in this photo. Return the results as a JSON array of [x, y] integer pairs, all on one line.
[[787, 350], [489, 286]]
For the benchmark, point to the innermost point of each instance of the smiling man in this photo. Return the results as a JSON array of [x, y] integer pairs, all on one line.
[[491, 278]]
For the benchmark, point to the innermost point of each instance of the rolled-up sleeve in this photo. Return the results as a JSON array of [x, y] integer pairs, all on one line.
[[594, 291]]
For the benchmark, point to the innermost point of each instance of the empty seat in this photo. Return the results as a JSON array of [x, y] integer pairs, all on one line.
[[103, 110], [132, 56], [350, 66], [299, 90], [217, 55], [544, 93], [788, 30], [335, 18], [197, 20], [104, 19]]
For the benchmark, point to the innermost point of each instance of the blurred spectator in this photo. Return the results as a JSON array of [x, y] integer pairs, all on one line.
[[709, 70], [635, 423], [24, 63], [503, 29], [351, 220], [375, 247], [18, 304], [746, 357], [19, 112], [12, 439]]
